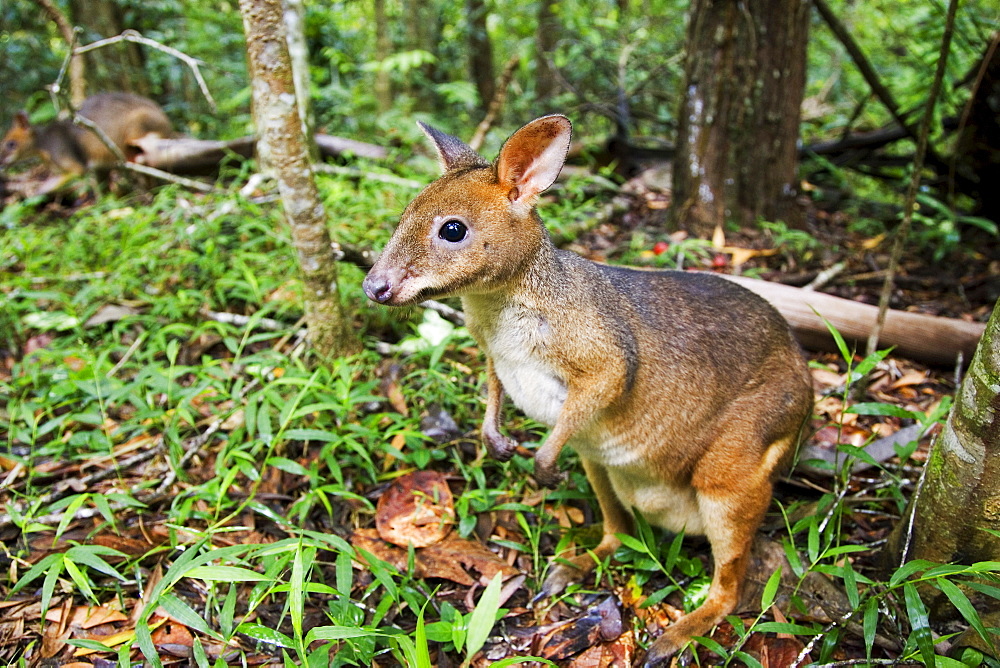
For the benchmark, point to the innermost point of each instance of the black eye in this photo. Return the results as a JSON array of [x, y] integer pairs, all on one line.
[[453, 231]]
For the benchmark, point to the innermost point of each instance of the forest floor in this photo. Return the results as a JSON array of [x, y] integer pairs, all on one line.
[[835, 604]]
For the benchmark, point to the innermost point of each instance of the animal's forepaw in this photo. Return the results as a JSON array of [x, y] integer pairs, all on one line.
[[549, 475], [499, 446]]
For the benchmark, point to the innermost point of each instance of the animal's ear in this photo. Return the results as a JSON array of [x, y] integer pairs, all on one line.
[[21, 120], [530, 160], [452, 151]]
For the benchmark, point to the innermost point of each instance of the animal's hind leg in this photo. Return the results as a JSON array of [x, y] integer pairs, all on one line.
[[617, 519], [732, 501]]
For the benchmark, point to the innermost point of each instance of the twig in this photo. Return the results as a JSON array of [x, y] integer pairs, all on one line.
[[496, 104], [135, 36], [64, 488], [373, 176], [128, 354], [867, 71], [244, 320], [825, 276], [75, 63], [171, 178], [86, 276], [448, 313], [97, 130], [902, 232]]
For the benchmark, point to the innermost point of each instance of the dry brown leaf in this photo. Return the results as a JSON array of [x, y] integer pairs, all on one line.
[[174, 638], [451, 559], [416, 509], [470, 554], [116, 639], [909, 378]]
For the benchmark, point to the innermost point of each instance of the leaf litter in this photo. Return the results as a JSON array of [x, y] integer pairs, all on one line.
[[413, 527]]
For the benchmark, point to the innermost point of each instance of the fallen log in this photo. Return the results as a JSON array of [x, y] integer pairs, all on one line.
[[925, 338], [186, 155]]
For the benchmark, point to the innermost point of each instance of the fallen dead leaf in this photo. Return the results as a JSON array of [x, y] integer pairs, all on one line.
[[416, 509], [451, 559]]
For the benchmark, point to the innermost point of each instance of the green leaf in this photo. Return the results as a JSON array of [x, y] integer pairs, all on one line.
[[420, 641], [483, 617], [225, 574], [288, 466], [747, 659], [81, 580], [884, 410], [633, 543], [770, 589], [921, 629], [851, 585], [870, 625], [264, 634], [786, 627], [186, 615], [144, 640], [964, 606], [845, 352], [908, 569]]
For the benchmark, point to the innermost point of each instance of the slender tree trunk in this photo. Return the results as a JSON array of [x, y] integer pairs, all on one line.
[[739, 120], [960, 495], [282, 150], [298, 51], [77, 64], [480, 51], [383, 49], [546, 36]]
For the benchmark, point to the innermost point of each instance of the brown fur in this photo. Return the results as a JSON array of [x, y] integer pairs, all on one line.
[[683, 393], [70, 150]]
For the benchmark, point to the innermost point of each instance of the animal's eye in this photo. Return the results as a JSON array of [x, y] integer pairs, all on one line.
[[453, 230]]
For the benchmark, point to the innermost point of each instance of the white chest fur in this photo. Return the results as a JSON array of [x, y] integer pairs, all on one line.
[[515, 339]]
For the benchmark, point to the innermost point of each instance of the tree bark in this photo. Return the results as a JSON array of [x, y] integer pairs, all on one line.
[[546, 36], [77, 64], [739, 120], [960, 495], [383, 49], [123, 67], [298, 51], [282, 150], [480, 51]]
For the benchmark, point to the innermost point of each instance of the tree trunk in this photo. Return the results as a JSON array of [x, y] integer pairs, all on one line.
[[480, 51], [282, 150], [977, 150], [739, 120], [118, 67], [546, 36], [298, 52], [960, 495], [77, 67], [383, 49]]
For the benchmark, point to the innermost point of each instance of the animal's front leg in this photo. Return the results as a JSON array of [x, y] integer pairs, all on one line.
[[501, 447], [586, 396]]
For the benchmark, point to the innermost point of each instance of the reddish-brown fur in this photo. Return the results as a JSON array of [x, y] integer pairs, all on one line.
[[683, 393], [70, 150]]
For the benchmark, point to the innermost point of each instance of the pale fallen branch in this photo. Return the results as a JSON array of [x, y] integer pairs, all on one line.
[[372, 176], [927, 338], [134, 36], [170, 178]]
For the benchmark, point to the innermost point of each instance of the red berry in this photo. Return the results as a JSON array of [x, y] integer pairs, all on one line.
[[660, 248]]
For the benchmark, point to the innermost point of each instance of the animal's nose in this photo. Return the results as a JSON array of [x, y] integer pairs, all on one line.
[[378, 288]]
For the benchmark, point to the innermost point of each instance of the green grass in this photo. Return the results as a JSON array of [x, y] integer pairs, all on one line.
[[264, 461]]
